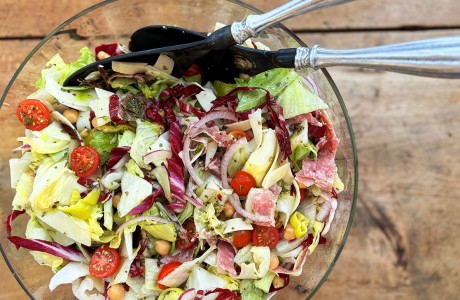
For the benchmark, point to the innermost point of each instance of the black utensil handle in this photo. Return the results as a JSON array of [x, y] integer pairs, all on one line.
[[221, 39]]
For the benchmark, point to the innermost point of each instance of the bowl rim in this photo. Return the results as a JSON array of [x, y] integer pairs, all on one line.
[[298, 40]]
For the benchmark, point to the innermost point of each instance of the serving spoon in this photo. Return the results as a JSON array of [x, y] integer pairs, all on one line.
[[185, 55]]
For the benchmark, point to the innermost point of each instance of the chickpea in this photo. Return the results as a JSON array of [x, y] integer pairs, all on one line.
[[162, 247], [278, 282], [84, 133], [229, 211], [289, 233], [102, 55], [71, 115], [116, 200], [116, 292], [274, 261], [94, 122]]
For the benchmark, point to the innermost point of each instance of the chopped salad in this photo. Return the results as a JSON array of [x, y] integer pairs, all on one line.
[[142, 185]]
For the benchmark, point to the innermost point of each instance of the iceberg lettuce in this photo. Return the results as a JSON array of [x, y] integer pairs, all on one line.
[[134, 191], [146, 134], [103, 142], [205, 218], [201, 279], [51, 139], [259, 265]]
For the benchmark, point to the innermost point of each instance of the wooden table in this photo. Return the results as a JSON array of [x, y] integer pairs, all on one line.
[[403, 244]]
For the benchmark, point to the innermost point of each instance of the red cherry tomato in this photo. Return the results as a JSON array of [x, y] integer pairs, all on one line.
[[33, 114], [186, 243], [303, 194], [104, 262], [238, 134], [265, 236], [242, 183], [193, 70], [84, 160], [242, 238], [166, 270]]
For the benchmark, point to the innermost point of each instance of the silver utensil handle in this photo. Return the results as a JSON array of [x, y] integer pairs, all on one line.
[[438, 57], [254, 24]]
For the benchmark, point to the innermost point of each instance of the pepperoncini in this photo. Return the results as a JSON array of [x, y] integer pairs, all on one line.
[[300, 224], [171, 294], [82, 208]]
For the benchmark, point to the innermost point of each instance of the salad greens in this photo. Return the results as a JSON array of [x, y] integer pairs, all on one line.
[[186, 189]]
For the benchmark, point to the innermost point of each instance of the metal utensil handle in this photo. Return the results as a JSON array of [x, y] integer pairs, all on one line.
[[439, 57], [254, 24]]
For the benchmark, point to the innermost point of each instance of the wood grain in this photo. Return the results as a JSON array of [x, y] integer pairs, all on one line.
[[403, 243], [364, 14]]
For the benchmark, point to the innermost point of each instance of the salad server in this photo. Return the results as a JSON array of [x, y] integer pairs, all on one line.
[[230, 35], [437, 57]]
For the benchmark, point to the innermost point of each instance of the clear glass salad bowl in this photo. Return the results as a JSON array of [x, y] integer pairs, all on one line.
[[114, 21]]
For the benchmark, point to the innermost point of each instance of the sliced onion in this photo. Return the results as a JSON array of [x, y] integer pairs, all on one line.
[[229, 115], [210, 152], [188, 295], [188, 164], [227, 158], [157, 155], [195, 200]]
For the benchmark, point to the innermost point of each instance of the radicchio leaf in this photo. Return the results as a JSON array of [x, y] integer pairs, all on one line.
[[146, 203], [49, 247], [115, 110], [10, 219], [116, 154], [175, 169], [86, 182], [110, 49], [178, 94]]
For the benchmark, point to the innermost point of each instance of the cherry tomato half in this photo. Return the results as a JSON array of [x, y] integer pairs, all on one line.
[[238, 134], [186, 243], [242, 183], [33, 114], [104, 262], [242, 238], [166, 270], [265, 236], [84, 160]]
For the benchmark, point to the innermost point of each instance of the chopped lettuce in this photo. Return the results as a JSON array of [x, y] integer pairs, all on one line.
[[151, 273], [249, 291], [221, 88], [134, 191], [103, 142], [165, 232], [51, 139], [285, 205], [68, 274], [146, 134], [274, 81], [24, 188], [126, 139], [201, 279], [49, 260], [265, 282], [53, 185], [262, 158], [170, 294], [259, 264], [18, 166], [205, 218], [133, 168], [297, 99], [153, 90], [124, 84], [57, 64], [301, 146]]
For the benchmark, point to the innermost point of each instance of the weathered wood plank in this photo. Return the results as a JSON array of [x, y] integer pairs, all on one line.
[[403, 244], [357, 15]]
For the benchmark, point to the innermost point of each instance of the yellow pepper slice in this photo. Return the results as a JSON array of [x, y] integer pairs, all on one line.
[[171, 294], [300, 224], [83, 208]]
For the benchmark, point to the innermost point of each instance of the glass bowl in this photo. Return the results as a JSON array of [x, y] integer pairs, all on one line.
[[114, 21]]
